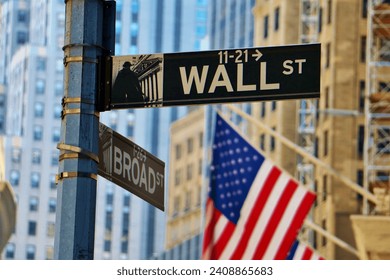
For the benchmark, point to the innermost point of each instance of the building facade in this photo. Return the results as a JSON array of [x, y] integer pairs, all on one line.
[[32, 77], [33, 82], [230, 25], [186, 185], [339, 115], [128, 227]]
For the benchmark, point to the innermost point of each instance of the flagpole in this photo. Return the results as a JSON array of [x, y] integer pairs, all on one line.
[[209, 123], [334, 239], [348, 182]]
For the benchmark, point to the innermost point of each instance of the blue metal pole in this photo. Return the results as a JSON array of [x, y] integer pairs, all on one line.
[[75, 220]]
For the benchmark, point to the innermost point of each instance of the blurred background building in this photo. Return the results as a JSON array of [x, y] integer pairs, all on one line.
[[347, 129]]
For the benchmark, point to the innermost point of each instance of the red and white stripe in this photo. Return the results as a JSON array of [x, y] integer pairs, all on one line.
[[270, 219], [304, 252]]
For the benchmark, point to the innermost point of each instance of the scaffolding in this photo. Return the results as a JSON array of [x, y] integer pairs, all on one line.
[[307, 107], [377, 107]]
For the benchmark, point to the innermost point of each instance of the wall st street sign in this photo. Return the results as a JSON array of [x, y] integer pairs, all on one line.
[[131, 167], [221, 76]]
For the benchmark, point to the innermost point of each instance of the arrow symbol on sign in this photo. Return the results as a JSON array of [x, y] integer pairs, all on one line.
[[258, 55]]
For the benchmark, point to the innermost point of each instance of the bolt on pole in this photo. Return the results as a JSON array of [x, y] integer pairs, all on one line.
[[78, 161]]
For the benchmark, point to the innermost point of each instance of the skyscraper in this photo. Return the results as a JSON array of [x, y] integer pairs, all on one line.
[[145, 27], [31, 70], [32, 75]]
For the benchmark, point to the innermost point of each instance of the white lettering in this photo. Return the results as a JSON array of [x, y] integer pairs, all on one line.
[[117, 161], [126, 165], [287, 65], [134, 171], [143, 177], [152, 180], [193, 77], [135, 166], [300, 62], [240, 78], [263, 77], [225, 82]]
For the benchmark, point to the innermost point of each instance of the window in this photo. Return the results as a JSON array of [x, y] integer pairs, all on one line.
[[200, 139], [126, 200], [324, 187], [363, 44], [107, 245], [38, 133], [32, 228], [130, 130], [364, 8], [35, 179], [57, 111], [53, 182], [323, 240], [14, 178], [360, 140], [51, 229], [41, 64], [276, 19], [326, 135], [30, 252], [187, 205], [327, 61], [263, 109], [326, 98], [38, 109], [49, 252], [108, 219], [59, 88], [16, 155], [190, 145], [362, 89], [273, 105], [177, 177], [272, 142], [320, 20], [10, 251], [40, 86], [262, 142], [189, 172], [22, 16], [176, 206], [33, 204], [54, 158], [109, 198], [36, 156], [178, 151], [265, 31], [52, 205], [56, 135], [329, 11], [21, 37]]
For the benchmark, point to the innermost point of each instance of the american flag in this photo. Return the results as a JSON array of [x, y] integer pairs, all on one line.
[[301, 251], [253, 210]]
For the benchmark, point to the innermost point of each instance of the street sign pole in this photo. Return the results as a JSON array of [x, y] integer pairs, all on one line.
[[78, 162]]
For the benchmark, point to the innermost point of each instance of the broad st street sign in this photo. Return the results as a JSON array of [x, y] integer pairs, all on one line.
[[131, 167], [233, 75]]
